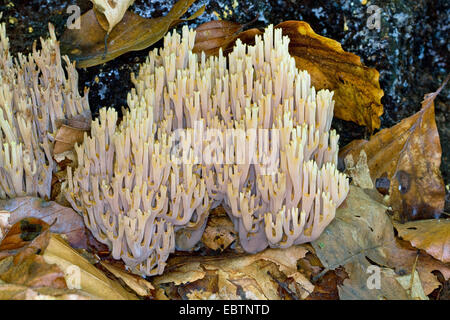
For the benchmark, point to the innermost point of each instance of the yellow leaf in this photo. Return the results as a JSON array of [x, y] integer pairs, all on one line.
[[80, 274]]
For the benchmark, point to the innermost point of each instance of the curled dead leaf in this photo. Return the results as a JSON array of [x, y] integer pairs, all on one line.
[[82, 275], [87, 45], [139, 285], [66, 138], [409, 155], [361, 236], [356, 87], [110, 12], [70, 132], [359, 171]]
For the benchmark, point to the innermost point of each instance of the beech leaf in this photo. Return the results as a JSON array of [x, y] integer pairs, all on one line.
[[361, 236], [62, 219], [259, 276], [80, 274], [87, 45], [431, 235], [409, 155]]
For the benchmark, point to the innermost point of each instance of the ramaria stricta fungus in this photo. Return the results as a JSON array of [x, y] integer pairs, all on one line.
[[35, 93], [247, 132]]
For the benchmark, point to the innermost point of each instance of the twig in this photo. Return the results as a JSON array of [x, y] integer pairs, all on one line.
[[411, 282]]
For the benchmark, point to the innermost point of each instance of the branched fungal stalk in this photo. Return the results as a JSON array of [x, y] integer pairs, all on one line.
[[247, 132], [35, 94]]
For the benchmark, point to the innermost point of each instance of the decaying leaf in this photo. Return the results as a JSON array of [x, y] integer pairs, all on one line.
[[362, 236], [66, 138], [110, 12], [213, 35], [413, 285], [243, 276], [63, 220], [21, 262], [219, 233], [356, 87], [87, 45], [326, 287], [139, 285], [432, 235], [359, 230], [357, 286], [46, 267], [69, 133], [409, 154], [10, 291], [359, 171], [33, 272], [185, 273], [22, 233], [82, 275]]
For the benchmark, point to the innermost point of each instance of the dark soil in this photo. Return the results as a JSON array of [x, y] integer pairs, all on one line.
[[410, 50]]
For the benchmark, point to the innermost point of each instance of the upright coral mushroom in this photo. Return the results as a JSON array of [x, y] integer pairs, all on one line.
[[267, 189], [34, 94], [132, 195], [249, 129]]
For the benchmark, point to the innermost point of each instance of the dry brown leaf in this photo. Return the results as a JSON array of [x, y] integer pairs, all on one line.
[[219, 233], [359, 172], [69, 132], [32, 272], [35, 264], [188, 272], [19, 292], [326, 287], [258, 276], [203, 288], [356, 87], [413, 286], [23, 233], [355, 288], [433, 236], [66, 137], [87, 45], [20, 259], [82, 275], [359, 230], [110, 12], [216, 34], [409, 154], [63, 220], [361, 235], [139, 285], [402, 257]]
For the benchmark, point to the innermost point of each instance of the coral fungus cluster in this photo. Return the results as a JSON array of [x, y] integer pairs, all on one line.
[[35, 93], [246, 131]]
